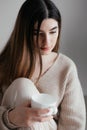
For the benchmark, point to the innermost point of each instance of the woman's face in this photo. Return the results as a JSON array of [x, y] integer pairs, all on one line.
[[48, 35]]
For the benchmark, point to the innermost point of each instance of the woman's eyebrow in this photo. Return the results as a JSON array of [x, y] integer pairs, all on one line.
[[51, 28], [35, 30], [54, 28]]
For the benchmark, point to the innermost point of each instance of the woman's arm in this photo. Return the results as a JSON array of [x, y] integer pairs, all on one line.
[[3, 109], [72, 113], [17, 97], [2, 124]]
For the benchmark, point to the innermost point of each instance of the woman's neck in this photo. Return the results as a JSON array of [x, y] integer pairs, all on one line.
[[47, 62]]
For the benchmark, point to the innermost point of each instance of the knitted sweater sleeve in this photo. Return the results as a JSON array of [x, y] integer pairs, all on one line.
[[2, 125], [4, 122], [72, 109]]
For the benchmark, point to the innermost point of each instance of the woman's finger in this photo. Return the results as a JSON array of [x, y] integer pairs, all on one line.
[[42, 118]]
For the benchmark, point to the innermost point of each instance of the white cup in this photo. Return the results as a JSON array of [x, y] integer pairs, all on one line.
[[43, 100]]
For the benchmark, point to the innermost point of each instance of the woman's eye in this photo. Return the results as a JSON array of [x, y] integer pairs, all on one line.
[[52, 32], [35, 33], [41, 34]]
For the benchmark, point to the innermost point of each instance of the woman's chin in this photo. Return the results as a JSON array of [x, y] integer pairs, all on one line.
[[45, 52]]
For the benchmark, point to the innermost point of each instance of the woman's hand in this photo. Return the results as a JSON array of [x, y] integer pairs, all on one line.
[[25, 116]]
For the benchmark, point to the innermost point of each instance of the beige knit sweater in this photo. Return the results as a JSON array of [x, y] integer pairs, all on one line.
[[61, 81]]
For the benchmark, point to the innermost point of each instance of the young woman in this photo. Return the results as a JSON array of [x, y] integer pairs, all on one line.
[[31, 56]]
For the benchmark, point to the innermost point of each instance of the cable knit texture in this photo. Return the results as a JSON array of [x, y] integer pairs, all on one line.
[[61, 81]]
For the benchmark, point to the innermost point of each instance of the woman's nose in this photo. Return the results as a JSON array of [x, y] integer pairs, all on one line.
[[47, 39]]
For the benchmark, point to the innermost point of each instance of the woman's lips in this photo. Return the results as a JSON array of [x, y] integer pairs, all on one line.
[[45, 48]]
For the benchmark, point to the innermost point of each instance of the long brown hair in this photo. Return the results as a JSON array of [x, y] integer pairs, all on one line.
[[19, 55]]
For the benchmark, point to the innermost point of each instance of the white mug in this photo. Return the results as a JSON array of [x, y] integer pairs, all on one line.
[[43, 100]]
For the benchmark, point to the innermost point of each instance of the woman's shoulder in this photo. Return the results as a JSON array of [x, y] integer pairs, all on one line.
[[65, 61]]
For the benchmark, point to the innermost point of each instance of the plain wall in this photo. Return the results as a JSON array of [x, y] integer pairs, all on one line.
[[74, 34], [74, 30]]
